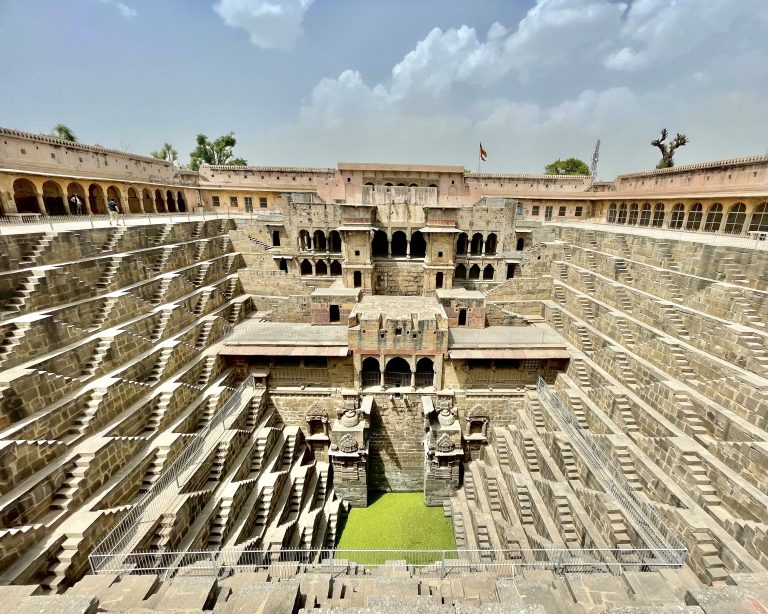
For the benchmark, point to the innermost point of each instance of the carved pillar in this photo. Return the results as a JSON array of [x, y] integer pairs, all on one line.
[[40, 203]]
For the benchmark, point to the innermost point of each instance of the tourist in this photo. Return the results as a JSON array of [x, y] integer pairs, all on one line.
[[114, 212], [77, 205]]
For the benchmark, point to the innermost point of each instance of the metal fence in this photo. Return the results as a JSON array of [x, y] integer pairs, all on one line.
[[438, 563], [664, 545], [125, 536]]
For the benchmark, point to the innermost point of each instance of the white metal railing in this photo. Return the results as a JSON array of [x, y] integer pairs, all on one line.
[[442, 563], [660, 538], [396, 195], [129, 531]]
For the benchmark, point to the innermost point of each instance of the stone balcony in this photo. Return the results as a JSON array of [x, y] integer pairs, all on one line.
[[396, 195]]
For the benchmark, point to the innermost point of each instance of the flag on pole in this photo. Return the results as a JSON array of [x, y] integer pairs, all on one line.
[[483, 153]]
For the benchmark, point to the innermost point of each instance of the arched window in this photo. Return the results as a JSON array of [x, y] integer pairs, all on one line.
[[159, 202], [321, 268], [75, 189], [678, 213], [335, 268], [474, 272], [319, 238], [334, 242], [170, 201], [399, 244], [490, 244], [477, 244], [425, 372], [462, 317], [134, 204], [622, 219], [283, 266], [633, 211], [759, 221], [461, 244], [25, 196], [694, 217], [53, 198], [645, 215], [737, 215], [305, 242], [461, 272], [612, 213], [438, 280], [180, 202], [397, 372], [520, 244], [418, 245], [714, 218], [658, 215], [147, 202], [488, 272], [370, 372], [306, 267], [379, 244]]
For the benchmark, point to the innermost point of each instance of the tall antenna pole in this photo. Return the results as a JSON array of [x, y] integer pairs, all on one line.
[[595, 158]]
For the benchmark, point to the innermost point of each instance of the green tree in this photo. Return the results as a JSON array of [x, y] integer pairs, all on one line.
[[167, 153], [63, 132], [571, 166], [215, 152]]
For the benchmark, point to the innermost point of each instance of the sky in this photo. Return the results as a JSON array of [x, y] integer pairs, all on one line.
[[315, 82]]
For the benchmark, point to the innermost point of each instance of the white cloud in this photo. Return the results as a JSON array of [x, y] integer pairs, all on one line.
[[569, 72], [125, 10], [271, 24]]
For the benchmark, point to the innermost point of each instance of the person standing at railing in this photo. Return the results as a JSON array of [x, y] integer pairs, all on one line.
[[77, 205], [114, 212]]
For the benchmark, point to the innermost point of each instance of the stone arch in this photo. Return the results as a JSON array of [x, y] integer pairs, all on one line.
[[520, 244], [491, 244], [462, 243], [612, 214], [474, 272], [633, 213], [676, 218], [694, 217], [170, 201], [622, 218], [321, 268], [306, 267], [658, 215], [476, 247], [460, 272], [737, 215], [75, 189], [370, 372], [96, 199], [418, 245], [159, 202], [759, 220], [645, 214], [334, 242], [25, 196], [397, 372], [425, 372], [53, 199], [181, 203], [335, 268], [488, 272], [399, 244], [134, 204], [319, 239], [305, 242], [146, 201], [379, 244], [714, 218]]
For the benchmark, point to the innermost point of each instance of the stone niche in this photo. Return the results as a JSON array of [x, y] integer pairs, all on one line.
[[348, 452], [318, 430], [334, 304], [476, 432], [444, 452]]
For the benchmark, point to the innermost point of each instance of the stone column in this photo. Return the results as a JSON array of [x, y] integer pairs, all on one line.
[[40, 202], [413, 379], [389, 247], [482, 247], [407, 248]]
